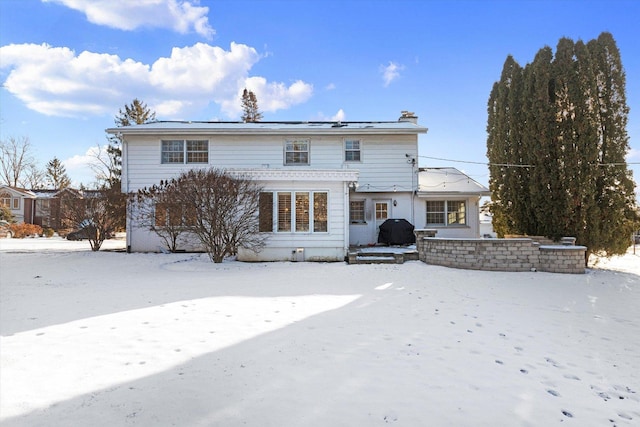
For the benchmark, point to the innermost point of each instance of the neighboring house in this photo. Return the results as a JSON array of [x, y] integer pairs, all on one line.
[[48, 211], [40, 207], [329, 184], [20, 201]]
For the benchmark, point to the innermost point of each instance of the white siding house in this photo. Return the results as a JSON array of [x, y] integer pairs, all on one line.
[[357, 173]]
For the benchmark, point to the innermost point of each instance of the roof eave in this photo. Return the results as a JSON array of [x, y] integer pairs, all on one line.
[[264, 131], [479, 193]]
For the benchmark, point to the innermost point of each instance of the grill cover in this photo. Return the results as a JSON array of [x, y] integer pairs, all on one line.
[[396, 232]]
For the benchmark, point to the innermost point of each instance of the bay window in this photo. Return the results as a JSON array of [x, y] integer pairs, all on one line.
[[294, 212]]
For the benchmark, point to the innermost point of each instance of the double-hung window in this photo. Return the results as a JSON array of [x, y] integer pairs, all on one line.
[[356, 211], [296, 152], [352, 150], [5, 200], [446, 212], [294, 212], [185, 151]]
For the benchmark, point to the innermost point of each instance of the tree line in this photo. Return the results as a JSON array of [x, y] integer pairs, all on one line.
[[557, 140]]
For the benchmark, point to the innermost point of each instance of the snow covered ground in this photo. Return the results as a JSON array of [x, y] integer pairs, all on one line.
[[116, 339]]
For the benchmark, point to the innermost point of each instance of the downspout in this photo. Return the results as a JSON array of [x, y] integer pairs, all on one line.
[[125, 153], [413, 192], [345, 186]]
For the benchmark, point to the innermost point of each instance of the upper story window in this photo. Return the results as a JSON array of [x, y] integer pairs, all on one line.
[[185, 151], [43, 204], [296, 152], [5, 200], [9, 202], [446, 212], [352, 150]]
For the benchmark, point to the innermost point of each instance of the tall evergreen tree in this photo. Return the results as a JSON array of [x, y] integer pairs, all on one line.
[[569, 124], [136, 113], [250, 110], [503, 146], [614, 184], [56, 174], [538, 137], [115, 203]]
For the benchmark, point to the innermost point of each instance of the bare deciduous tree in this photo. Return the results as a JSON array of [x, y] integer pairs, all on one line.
[[34, 177], [15, 160], [91, 210], [159, 209], [219, 209]]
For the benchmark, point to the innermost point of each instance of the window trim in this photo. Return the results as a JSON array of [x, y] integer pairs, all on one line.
[[352, 150], [286, 151], [185, 154], [446, 213]]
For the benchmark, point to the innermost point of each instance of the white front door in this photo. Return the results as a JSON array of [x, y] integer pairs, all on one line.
[[382, 212]]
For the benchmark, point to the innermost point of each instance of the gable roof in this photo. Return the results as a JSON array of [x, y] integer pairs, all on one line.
[[448, 181], [20, 192], [294, 128]]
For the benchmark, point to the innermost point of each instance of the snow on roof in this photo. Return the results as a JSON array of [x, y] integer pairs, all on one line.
[[450, 181], [16, 190], [272, 127]]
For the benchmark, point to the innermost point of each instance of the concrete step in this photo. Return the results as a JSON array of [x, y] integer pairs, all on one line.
[[375, 258]]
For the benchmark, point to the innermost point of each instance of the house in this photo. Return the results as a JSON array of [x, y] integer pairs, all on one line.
[[41, 207], [20, 202], [330, 184], [48, 212]]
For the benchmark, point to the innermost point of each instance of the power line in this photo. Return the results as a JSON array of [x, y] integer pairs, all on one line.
[[515, 165], [511, 165]]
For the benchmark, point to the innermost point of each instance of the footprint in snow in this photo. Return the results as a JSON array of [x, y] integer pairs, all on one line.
[[567, 414], [553, 393], [571, 377]]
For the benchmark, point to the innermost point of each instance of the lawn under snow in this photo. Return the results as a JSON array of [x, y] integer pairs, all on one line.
[[116, 339]]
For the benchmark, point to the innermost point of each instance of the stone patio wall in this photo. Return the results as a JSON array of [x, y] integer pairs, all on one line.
[[516, 254]]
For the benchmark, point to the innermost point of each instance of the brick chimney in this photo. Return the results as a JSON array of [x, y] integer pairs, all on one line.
[[408, 116]]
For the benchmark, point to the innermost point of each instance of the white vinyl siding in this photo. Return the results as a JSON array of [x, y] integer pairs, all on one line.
[[383, 162]]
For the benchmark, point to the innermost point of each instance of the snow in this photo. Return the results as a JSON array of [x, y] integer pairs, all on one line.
[[110, 338]]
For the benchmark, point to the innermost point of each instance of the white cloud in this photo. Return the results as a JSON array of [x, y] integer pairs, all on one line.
[[390, 72], [633, 155], [181, 16], [79, 167], [57, 82], [330, 86], [339, 116]]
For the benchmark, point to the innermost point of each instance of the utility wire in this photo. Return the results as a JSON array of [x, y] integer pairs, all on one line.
[[515, 165]]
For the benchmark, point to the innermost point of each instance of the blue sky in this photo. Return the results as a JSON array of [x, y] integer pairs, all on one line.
[[67, 66]]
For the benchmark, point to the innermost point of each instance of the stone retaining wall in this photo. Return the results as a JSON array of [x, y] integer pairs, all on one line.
[[515, 254]]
